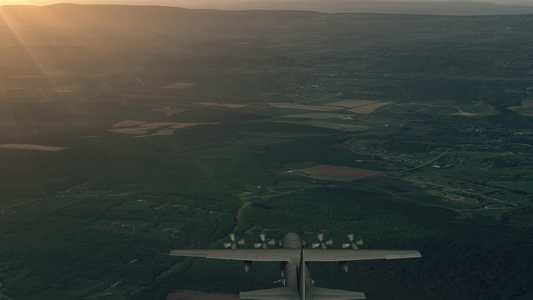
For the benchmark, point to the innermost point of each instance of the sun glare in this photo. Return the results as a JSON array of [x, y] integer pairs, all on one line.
[[37, 33], [25, 2]]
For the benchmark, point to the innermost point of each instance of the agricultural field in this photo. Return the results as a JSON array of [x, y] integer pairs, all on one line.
[[525, 108], [408, 131]]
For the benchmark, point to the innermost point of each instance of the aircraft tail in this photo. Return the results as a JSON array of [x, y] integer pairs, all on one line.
[[284, 293], [316, 293]]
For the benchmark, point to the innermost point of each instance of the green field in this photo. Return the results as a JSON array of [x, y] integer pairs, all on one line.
[[199, 161]]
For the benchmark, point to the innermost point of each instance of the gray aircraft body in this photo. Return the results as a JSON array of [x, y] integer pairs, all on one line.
[[293, 258]]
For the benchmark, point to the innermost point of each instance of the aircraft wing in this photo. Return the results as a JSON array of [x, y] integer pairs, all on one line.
[[242, 254], [284, 293], [316, 293], [349, 255], [289, 254]]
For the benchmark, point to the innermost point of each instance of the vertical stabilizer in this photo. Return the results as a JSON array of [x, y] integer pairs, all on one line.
[[301, 276]]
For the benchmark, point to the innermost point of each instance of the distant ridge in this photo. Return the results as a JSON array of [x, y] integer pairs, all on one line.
[[336, 6], [368, 6]]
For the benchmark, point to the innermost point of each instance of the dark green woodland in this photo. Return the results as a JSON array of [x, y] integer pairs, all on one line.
[[127, 131]]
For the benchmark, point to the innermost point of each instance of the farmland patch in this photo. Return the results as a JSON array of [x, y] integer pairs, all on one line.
[[143, 129], [526, 108], [180, 85], [129, 227], [352, 103], [524, 186], [367, 109], [132, 131], [32, 147], [260, 141], [128, 123], [168, 111], [216, 104], [164, 131], [305, 107], [336, 126], [338, 173], [320, 116], [281, 135]]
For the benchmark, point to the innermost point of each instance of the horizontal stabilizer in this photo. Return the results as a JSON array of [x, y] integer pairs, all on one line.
[[317, 293], [284, 293]]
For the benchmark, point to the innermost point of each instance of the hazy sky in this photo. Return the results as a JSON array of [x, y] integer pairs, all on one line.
[[218, 2], [319, 5]]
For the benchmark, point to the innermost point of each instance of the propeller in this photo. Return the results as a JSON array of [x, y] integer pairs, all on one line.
[[233, 244], [352, 244], [264, 242], [322, 244]]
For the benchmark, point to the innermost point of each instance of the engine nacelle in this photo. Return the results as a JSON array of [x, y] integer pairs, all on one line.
[[247, 265], [344, 266], [282, 268]]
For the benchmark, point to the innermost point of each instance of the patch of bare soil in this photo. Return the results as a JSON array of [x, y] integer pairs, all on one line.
[[337, 173]]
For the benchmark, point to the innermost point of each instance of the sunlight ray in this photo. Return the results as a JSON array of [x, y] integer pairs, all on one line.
[[55, 51], [16, 20]]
